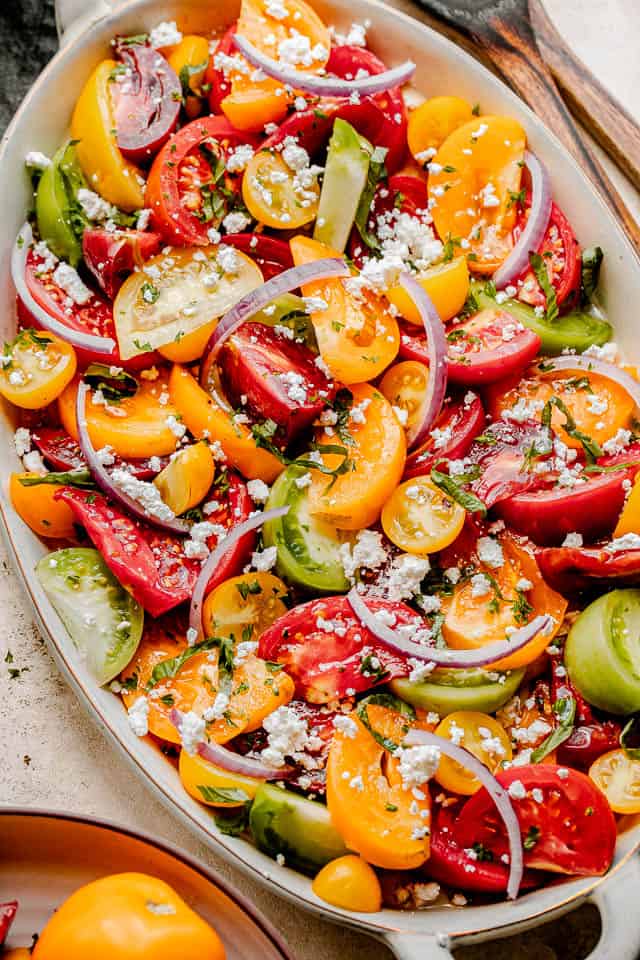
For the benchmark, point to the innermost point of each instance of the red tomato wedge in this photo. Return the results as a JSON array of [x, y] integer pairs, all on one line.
[[324, 648], [272, 255], [401, 192], [112, 255], [489, 346], [561, 251], [459, 422], [571, 569], [504, 454], [64, 453], [182, 177], [566, 823]]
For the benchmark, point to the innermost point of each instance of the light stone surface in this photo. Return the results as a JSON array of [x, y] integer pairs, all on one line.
[[53, 755]]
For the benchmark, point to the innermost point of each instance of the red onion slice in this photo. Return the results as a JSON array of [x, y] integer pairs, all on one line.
[[103, 479], [536, 227], [437, 349], [84, 341], [234, 762], [324, 86], [255, 300], [447, 658], [497, 792], [215, 557], [593, 365]]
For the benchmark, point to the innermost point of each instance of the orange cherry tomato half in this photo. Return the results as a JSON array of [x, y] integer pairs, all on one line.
[[39, 509], [618, 776], [349, 882], [420, 518], [482, 736], [39, 367], [404, 385]]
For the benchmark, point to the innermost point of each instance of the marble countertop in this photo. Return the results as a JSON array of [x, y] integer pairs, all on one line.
[[53, 754]]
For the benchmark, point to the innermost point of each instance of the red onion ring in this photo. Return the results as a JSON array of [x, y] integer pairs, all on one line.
[[497, 792], [214, 558], [255, 300], [437, 349], [446, 658], [84, 341], [593, 365], [324, 86], [537, 222], [234, 762], [103, 479]]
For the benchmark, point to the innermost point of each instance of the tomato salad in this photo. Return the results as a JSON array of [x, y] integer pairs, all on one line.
[[336, 458]]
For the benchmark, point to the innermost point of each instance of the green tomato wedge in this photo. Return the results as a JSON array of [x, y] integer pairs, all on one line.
[[308, 548], [289, 311], [576, 330], [103, 620], [345, 177], [602, 653], [447, 691], [301, 830], [61, 219]]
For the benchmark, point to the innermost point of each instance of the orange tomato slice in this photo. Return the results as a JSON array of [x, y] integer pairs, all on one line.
[[41, 365], [36, 505], [482, 736], [433, 121]]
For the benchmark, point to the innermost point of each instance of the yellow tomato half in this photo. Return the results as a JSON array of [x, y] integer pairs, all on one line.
[[482, 736], [447, 284], [405, 385], [41, 367], [273, 194], [243, 607], [349, 882], [39, 509], [433, 121], [618, 776], [420, 518], [187, 478], [212, 785]]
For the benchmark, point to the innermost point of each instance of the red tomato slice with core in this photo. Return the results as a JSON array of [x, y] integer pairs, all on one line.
[[561, 253], [505, 453]]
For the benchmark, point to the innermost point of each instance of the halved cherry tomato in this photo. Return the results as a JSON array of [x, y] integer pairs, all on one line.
[[38, 507], [357, 338], [459, 422], [349, 882], [190, 59], [471, 195], [482, 736], [206, 418], [137, 426], [447, 284], [334, 663], [184, 176], [64, 453], [404, 385], [39, 367], [244, 607], [566, 823], [488, 347], [146, 96], [111, 917], [278, 196], [561, 252], [274, 377], [618, 776], [420, 518], [213, 785], [369, 805], [433, 122], [354, 499], [112, 255], [187, 478]]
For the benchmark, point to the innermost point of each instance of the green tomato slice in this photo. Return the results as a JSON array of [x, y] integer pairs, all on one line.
[[345, 177], [103, 620], [447, 691], [60, 217]]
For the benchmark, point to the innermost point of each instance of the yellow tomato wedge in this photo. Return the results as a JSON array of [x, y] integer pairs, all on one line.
[[357, 337], [349, 882], [275, 195], [433, 121], [471, 196], [243, 607], [93, 127], [629, 520], [39, 509], [404, 385], [355, 498], [212, 785], [137, 426], [618, 776], [420, 518], [482, 736], [41, 365], [447, 284], [187, 478], [206, 418]]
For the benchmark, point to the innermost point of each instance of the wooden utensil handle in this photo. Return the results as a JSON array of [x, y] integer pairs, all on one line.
[[513, 51], [596, 109]]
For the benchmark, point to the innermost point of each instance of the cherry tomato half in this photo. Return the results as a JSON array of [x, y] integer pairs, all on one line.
[[618, 776], [420, 518], [40, 367]]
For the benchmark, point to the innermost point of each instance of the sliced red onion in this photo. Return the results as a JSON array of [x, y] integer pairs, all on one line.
[[447, 658], [103, 479], [84, 341], [497, 792], [244, 309], [531, 237], [324, 86], [593, 365], [234, 762], [437, 347], [215, 557]]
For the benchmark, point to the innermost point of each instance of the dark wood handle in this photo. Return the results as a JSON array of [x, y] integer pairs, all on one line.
[[597, 110], [512, 49]]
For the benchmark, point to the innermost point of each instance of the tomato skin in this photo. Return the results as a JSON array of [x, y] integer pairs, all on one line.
[[502, 461], [272, 255], [618, 776], [8, 911], [170, 217], [495, 357], [465, 420], [38, 507], [112, 255], [566, 281], [64, 453], [576, 828], [349, 882], [588, 742], [576, 568], [220, 86]]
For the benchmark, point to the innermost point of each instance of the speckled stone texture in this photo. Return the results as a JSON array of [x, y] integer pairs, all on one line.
[[52, 754]]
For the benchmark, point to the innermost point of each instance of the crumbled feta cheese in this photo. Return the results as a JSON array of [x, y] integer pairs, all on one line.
[[490, 552], [68, 279], [572, 540], [191, 728], [139, 716], [217, 709], [165, 34], [227, 259], [145, 494], [33, 463], [287, 735], [263, 560], [239, 157], [480, 585], [258, 491], [346, 725], [236, 222], [37, 160], [22, 441], [452, 574], [417, 765], [419, 670], [618, 442], [630, 541], [94, 206], [47, 256], [516, 790], [296, 50], [404, 577], [177, 428], [367, 552], [303, 481]]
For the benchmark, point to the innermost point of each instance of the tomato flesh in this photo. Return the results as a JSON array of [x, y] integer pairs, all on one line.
[[272, 255], [63, 453], [460, 421], [489, 346], [112, 255], [561, 251]]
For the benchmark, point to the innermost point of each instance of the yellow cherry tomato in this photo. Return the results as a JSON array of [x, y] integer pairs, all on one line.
[[36, 505], [205, 417], [137, 426], [187, 478], [404, 385], [191, 346], [618, 776], [357, 336], [349, 882], [212, 785], [273, 194], [354, 500], [127, 916], [243, 607], [447, 284], [191, 55], [629, 520], [40, 367], [420, 518], [433, 121], [482, 736], [93, 126]]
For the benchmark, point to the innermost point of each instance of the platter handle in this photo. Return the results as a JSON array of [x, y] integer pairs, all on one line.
[[74, 16], [411, 946], [617, 901]]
